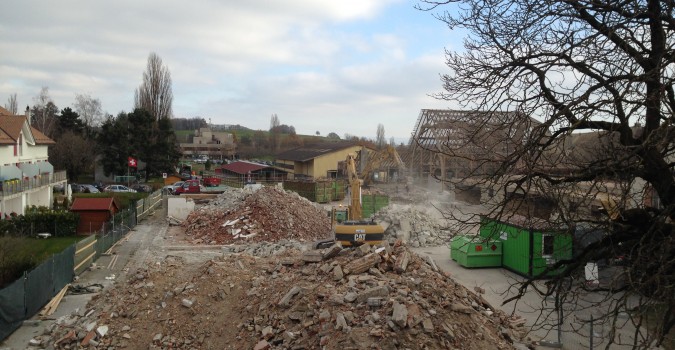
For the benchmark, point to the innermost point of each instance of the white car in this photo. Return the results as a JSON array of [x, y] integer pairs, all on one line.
[[118, 188], [89, 189], [172, 188]]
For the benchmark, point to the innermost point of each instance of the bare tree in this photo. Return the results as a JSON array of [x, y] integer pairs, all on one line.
[[74, 153], [275, 138], [89, 109], [155, 94], [11, 104], [574, 66], [380, 140], [43, 115]]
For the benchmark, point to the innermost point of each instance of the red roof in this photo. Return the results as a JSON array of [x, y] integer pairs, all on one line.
[[243, 167], [84, 204]]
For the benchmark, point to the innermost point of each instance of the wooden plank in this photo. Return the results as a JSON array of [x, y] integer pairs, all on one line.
[[53, 304], [85, 247], [83, 261]]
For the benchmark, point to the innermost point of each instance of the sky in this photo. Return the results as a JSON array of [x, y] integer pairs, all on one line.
[[319, 65]]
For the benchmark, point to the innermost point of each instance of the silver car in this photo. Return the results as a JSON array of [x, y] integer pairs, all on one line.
[[89, 189], [118, 188]]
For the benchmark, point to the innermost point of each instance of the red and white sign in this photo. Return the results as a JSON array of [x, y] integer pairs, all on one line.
[[132, 162]]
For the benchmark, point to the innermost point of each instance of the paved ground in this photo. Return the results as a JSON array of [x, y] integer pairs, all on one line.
[[499, 284]]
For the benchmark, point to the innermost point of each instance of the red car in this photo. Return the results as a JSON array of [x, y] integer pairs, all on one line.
[[211, 181], [189, 186]]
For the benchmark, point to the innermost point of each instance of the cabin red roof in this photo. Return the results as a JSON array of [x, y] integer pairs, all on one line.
[[86, 204]]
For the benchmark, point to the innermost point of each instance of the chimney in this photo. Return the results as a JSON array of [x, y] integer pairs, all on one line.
[[28, 114]]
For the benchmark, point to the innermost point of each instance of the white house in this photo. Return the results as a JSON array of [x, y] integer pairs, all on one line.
[[26, 176]]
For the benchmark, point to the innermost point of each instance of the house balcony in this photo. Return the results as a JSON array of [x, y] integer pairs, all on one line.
[[18, 185]]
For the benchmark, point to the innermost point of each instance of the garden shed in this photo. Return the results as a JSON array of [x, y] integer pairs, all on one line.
[[94, 213], [529, 245]]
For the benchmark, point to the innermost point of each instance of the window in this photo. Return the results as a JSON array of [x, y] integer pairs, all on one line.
[[547, 245], [20, 145]]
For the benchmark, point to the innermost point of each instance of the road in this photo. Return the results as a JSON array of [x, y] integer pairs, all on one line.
[[500, 284]]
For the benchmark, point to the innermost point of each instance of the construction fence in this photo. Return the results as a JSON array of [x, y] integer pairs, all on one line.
[[29, 294]]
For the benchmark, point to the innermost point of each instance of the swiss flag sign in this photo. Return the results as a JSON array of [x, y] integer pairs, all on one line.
[[132, 162]]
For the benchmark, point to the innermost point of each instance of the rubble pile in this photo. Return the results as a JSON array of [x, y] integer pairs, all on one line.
[[268, 214], [365, 298], [416, 227], [230, 198]]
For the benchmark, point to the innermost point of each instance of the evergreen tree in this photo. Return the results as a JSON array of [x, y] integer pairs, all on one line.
[[69, 120], [113, 144], [166, 145]]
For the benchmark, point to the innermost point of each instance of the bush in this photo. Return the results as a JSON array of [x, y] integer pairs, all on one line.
[[13, 259], [59, 223]]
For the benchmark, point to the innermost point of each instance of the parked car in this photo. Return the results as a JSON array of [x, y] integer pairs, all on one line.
[[89, 189], [118, 188], [142, 188], [190, 186], [76, 188], [211, 181], [171, 189]]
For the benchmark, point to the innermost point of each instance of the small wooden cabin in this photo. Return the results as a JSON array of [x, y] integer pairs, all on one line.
[[94, 213]]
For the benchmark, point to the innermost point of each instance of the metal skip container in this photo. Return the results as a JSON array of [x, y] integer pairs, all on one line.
[[475, 251]]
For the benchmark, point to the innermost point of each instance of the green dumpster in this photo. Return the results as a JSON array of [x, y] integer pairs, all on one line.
[[531, 246], [473, 251]]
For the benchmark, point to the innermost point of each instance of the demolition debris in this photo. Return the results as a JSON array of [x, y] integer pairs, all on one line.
[[366, 298], [266, 215]]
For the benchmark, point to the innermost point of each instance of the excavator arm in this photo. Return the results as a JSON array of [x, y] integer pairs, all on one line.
[[377, 159], [355, 210], [355, 231]]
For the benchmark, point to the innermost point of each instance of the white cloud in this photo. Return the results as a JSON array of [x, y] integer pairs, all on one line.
[[320, 65]]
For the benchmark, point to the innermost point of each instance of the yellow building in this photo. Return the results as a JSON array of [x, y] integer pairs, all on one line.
[[317, 161]]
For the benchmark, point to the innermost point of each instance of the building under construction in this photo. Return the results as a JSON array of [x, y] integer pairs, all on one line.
[[447, 144]]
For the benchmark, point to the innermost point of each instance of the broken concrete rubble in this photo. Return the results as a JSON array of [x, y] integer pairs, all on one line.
[[271, 305], [268, 214]]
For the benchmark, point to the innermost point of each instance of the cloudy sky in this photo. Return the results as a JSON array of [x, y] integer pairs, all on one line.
[[329, 66]]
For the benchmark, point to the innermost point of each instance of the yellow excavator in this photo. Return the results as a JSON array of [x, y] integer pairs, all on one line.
[[348, 224]]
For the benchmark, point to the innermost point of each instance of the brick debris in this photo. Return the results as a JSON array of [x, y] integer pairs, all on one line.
[[269, 214], [365, 298]]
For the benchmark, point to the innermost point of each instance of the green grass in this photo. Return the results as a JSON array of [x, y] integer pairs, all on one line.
[[19, 254], [42, 249], [183, 135], [123, 199]]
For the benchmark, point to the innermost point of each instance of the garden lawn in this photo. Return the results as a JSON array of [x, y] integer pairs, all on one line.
[[42, 249]]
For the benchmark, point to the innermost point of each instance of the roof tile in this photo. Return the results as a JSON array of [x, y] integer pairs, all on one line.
[[303, 154], [87, 204], [243, 167]]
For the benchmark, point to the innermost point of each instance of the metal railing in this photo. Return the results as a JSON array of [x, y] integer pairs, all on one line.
[[15, 186]]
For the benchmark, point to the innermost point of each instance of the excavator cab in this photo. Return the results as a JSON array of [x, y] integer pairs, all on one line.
[[354, 232], [348, 225]]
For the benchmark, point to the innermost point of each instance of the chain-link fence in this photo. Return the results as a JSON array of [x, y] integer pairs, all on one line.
[[26, 296]]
